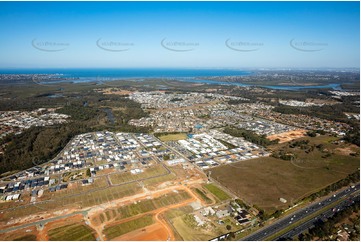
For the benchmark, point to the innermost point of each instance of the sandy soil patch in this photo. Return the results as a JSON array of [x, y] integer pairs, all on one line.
[[345, 150], [288, 136], [116, 91], [154, 232]]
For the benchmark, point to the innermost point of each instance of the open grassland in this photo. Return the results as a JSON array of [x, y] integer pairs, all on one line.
[[173, 213], [217, 192], [188, 229], [142, 206], [117, 230], [173, 137], [264, 181], [124, 177], [71, 232]]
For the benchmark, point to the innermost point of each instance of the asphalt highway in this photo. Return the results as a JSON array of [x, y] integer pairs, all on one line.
[[329, 213], [283, 223]]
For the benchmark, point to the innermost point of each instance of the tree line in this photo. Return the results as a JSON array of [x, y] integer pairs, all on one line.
[[250, 136], [37, 145]]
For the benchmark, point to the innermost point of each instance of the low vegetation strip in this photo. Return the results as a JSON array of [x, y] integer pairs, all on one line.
[[216, 191], [204, 197], [149, 205], [249, 136], [71, 232], [123, 228]]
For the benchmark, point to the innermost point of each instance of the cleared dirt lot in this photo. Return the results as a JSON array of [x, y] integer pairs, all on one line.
[[154, 232], [288, 136], [116, 91]]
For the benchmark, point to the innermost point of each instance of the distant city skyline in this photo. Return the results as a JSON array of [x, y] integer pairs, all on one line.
[[249, 35]]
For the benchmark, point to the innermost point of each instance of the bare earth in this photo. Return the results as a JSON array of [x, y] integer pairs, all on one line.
[[116, 91], [288, 136], [160, 228], [154, 232]]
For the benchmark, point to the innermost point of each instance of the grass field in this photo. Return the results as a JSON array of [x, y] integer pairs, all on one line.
[[217, 192], [190, 232], [173, 137], [203, 196], [114, 231], [71, 232], [263, 181]]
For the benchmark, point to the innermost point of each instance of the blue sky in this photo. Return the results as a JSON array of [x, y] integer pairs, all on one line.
[[194, 34]]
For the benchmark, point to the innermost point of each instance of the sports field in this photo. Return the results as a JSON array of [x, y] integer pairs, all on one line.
[[173, 137]]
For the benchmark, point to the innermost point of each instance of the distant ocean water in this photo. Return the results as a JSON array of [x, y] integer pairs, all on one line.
[[185, 75], [131, 72]]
